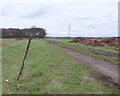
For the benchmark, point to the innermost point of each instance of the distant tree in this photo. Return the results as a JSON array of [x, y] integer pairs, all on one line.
[[38, 32], [11, 33], [23, 33]]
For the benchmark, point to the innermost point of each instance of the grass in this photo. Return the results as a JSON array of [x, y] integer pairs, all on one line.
[[48, 70], [65, 43], [0, 68], [104, 48]]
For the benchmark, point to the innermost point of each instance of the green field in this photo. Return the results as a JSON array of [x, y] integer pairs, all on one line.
[[110, 49], [48, 70]]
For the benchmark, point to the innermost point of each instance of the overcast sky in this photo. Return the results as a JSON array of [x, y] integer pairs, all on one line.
[[87, 17]]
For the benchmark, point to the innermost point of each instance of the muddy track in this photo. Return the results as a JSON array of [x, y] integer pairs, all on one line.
[[102, 66], [90, 49]]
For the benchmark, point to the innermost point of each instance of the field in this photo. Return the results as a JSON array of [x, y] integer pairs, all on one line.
[[49, 70]]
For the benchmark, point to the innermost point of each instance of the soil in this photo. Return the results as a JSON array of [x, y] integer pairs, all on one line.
[[1, 43], [109, 71], [110, 41]]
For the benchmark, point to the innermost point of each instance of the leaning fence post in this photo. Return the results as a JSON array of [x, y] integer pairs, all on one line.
[[24, 59]]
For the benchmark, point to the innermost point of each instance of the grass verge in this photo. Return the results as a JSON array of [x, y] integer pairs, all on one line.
[[103, 48], [65, 43]]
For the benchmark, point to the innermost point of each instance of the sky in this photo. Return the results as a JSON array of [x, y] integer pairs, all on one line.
[[88, 18]]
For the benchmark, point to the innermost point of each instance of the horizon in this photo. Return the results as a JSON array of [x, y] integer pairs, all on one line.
[[61, 36]]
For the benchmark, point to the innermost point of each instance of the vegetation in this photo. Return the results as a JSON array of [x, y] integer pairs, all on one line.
[[0, 68], [67, 44], [110, 49], [48, 70], [23, 33]]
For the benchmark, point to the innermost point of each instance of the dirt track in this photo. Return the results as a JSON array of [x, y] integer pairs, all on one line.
[[104, 67], [101, 52]]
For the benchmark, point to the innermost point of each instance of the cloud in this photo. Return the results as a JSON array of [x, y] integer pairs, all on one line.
[[4, 10], [40, 10], [25, 9], [37, 13], [85, 18]]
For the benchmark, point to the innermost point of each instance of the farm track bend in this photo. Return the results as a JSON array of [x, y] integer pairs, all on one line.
[[104, 67]]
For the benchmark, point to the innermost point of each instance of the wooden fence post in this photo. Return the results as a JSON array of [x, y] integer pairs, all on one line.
[[24, 59]]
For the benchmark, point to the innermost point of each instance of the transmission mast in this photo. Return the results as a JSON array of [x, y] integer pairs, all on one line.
[[69, 30]]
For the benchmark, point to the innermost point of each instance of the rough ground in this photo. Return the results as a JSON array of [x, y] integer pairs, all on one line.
[[101, 52], [110, 41], [104, 67]]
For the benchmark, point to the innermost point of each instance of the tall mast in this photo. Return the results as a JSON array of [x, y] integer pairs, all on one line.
[[69, 30]]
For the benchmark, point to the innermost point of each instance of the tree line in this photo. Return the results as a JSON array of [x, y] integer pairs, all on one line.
[[23, 33]]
